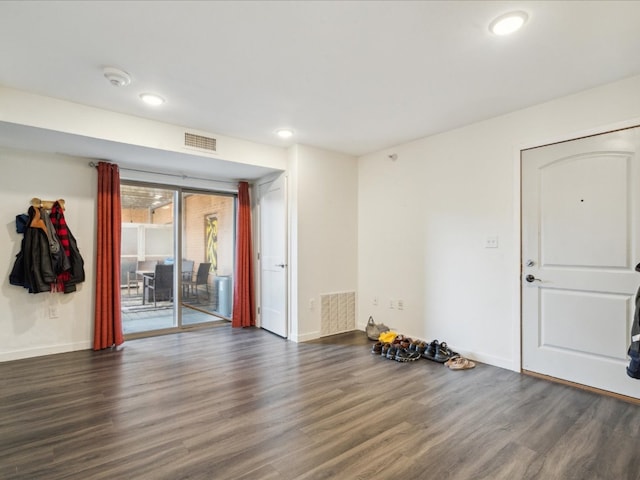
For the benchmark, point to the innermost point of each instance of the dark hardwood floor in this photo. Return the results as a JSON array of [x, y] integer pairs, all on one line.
[[245, 404]]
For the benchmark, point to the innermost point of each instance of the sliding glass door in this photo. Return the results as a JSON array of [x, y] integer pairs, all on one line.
[[208, 249], [177, 258]]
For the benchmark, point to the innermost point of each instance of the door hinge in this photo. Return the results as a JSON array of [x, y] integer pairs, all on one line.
[[258, 255], [258, 310]]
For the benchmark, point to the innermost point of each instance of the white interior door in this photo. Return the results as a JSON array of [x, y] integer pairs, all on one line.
[[273, 257], [580, 236]]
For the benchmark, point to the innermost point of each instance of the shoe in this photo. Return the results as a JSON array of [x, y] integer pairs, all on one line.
[[417, 346], [391, 353], [451, 360], [376, 349], [385, 349], [444, 353], [460, 363], [430, 350], [404, 355]]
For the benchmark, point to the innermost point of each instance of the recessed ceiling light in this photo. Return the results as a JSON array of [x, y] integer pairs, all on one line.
[[151, 99], [284, 133], [508, 23]]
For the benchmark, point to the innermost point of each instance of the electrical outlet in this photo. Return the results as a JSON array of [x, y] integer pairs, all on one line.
[[400, 304], [491, 242], [392, 304], [53, 311]]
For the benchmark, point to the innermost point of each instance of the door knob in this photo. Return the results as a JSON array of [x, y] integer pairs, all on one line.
[[281, 265], [530, 278]]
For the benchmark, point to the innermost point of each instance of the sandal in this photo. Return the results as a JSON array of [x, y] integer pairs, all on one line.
[[460, 363], [451, 360]]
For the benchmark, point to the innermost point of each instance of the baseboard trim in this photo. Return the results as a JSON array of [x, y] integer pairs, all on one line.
[[42, 351], [305, 337]]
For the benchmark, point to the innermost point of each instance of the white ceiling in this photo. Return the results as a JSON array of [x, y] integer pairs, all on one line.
[[349, 76]]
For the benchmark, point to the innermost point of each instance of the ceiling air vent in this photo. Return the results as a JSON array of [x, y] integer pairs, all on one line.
[[198, 141]]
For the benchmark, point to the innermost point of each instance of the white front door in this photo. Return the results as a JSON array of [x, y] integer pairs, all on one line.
[[273, 257], [580, 246]]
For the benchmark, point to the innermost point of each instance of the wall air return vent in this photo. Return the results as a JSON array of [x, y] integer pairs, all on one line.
[[337, 313], [198, 141]]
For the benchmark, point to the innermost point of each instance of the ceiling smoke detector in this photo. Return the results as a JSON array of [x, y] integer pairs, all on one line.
[[117, 77]]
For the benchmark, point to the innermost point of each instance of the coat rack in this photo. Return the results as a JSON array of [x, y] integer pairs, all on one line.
[[46, 204]]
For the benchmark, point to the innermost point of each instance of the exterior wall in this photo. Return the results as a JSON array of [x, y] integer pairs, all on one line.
[[162, 215], [135, 215], [197, 208]]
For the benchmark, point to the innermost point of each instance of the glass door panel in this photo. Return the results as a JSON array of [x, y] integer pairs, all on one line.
[[147, 258], [208, 250]]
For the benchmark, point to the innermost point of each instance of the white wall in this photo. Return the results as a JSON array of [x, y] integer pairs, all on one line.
[[423, 220], [323, 254], [25, 327]]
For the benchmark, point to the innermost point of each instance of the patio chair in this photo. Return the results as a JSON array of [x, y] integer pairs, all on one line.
[[202, 278], [160, 284]]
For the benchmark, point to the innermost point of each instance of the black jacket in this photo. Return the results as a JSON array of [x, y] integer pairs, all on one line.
[[33, 268], [633, 370]]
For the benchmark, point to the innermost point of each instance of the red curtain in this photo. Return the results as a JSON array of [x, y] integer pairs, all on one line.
[[243, 295], [108, 320]]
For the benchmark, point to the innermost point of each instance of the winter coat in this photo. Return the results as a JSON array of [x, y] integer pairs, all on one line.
[[33, 268], [42, 265]]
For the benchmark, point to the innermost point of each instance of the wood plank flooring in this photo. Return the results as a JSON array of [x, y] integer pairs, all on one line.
[[243, 404]]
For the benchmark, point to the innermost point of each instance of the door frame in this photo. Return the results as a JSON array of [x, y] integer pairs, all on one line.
[[517, 234], [178, 237]]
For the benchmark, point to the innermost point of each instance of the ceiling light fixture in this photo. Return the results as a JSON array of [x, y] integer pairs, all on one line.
[[151, 99], [284, 133], [116, 77], [508, 23]]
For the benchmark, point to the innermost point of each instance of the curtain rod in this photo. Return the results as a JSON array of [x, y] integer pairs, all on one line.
[[183, 177]]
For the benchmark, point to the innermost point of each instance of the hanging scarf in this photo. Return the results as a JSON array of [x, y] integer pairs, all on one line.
[[60, 225]]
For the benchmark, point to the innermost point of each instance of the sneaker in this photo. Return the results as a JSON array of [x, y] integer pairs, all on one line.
[[391, 353], [430, 350], [376, 349], [404, 355], [444, 353], [417, 346]]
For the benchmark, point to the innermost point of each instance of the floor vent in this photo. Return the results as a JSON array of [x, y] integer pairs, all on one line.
[[198, 141], [337, 313]]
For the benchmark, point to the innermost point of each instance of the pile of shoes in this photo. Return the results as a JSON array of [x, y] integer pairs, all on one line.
[[400, 349], [404, 349]]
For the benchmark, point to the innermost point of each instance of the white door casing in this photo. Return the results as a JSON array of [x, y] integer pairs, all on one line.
[[273, 256], [580, 245]]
